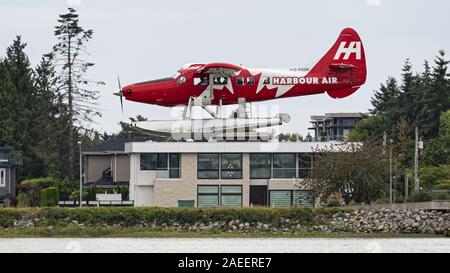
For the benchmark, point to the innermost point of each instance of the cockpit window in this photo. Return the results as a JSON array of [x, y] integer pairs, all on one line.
[[181, 80]]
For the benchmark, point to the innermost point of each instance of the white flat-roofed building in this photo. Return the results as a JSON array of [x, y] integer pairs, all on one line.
[[220, 174]]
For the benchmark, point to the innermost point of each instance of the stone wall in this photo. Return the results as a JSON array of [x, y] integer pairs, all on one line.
[[386, 221]]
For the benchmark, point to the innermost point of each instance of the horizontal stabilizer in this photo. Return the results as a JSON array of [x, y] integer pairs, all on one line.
[[342, 93]]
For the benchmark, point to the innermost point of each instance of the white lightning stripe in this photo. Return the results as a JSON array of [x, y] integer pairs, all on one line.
[[270, 73], [283, 89], [229, 86]]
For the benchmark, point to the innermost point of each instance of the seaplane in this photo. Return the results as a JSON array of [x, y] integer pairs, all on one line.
[[339, 73]]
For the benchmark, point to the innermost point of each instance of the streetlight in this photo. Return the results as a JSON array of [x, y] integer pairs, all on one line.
[[81, 176], [390, 172]]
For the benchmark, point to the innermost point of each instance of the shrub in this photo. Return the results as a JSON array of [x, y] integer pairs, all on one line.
[[334, 200], [131, 216], [399, 199], [30, 195], [442, 185], [432, 176], [75, 195], [49, 197], [440, 196], [420, 197], [10, 200], [23, 201], [43, 182]]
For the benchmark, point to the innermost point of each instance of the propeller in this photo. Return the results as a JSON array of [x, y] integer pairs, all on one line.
[[120, 94]]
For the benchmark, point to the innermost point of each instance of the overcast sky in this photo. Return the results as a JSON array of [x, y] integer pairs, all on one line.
[[142, 40]]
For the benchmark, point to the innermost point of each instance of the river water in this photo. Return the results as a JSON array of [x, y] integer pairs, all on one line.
[[228, 245]]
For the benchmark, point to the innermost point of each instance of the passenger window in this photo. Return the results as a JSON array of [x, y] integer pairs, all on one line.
[[250, 81], [220, 81], [266, 80], [201, 81], [240, 81]]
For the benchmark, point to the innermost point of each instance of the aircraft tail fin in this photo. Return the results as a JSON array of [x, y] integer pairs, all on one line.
[[346, 60]]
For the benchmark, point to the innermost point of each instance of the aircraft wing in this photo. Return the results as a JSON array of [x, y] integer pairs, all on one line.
[[223, 69]]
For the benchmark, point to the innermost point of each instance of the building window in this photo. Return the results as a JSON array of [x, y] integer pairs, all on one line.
[[231, 166], [231, 196], [260, 165], [186, 203], [284, 166], [289, 198], [208, 166], [2, 178], [207, 196], [302, 199], [305, 165], [280, 199], [153, 162], [174, 166]]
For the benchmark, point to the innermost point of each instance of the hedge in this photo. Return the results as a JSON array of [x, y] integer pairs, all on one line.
[[49, 197], [131, 216], [45, 182]]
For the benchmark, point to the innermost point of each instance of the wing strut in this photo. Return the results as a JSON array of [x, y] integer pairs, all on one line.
[[187, 113]]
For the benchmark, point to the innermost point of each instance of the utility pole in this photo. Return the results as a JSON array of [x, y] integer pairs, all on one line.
[[390, 172], [416, 162], [81, 176], [406, 187]]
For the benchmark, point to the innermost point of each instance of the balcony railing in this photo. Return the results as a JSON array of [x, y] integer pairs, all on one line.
[[11, 157]]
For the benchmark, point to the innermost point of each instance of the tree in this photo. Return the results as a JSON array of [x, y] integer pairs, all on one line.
[[406, 105], [372, 127], [435, 97], [437, 151], [8, 97], [76, 89], [357, 172], [384, 99], [425, 97], [441, 80], [290, 137], [51, 120], [404, 143], [21, 107]]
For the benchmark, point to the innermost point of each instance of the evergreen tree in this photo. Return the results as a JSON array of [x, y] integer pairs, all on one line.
[[8, 97], [441, 82], [79, 97], [23, 107], [434, 98], [384, 98], [425, 100], [407, 100], [51, 124]]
